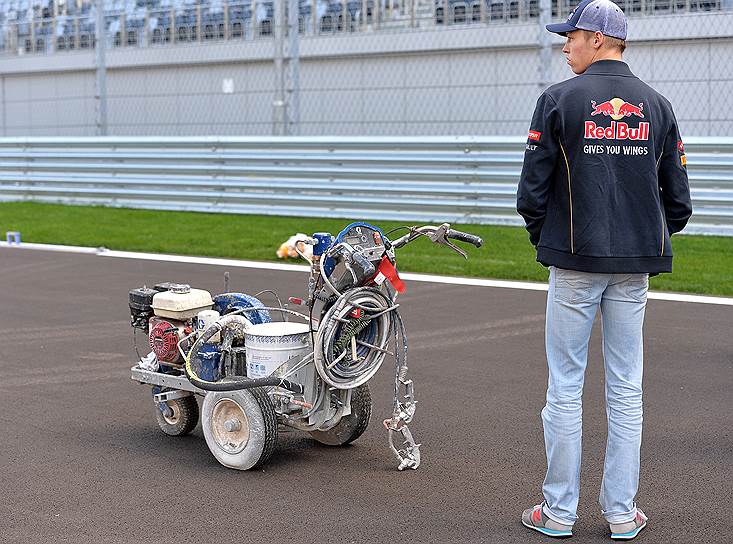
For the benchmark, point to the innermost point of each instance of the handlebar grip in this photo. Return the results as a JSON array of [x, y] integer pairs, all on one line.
[[364, 263], [464, 237]]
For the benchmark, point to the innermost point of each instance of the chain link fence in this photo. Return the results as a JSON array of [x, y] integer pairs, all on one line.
[[332, 67]]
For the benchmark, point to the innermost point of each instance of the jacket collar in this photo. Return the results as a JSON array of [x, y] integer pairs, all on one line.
[[609, 67]]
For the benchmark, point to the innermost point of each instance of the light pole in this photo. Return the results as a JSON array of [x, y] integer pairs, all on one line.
[[100, 91]]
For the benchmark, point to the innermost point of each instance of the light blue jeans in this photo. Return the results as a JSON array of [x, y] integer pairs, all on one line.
[[572, 302]]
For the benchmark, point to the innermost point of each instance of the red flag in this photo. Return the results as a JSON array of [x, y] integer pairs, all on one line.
[[387, 271]]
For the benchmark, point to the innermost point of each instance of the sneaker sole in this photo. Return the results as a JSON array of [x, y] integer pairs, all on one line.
[[549, 532], [629, 535]]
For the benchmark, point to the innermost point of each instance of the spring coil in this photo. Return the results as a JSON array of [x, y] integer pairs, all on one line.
[[328, 299], [351, 329]]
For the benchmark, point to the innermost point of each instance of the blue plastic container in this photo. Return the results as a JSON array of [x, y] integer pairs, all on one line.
[[209, 359]]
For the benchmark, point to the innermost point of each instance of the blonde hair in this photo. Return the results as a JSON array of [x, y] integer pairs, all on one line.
[[610, 40], [615, 42]]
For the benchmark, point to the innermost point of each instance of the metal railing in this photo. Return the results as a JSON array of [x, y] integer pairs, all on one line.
[[459, 180]]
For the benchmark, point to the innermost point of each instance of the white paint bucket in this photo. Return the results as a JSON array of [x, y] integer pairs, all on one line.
[[269, 345]]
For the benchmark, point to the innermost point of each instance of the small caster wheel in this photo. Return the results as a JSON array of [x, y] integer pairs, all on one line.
[[180, 416]]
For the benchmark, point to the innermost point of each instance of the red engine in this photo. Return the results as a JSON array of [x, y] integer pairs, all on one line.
[[164, 337]]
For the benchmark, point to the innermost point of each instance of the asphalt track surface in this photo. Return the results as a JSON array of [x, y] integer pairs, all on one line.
[[82, 459]]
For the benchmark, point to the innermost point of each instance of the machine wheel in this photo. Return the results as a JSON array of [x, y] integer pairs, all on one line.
[[352, 426], [184, 418], [240, 427]]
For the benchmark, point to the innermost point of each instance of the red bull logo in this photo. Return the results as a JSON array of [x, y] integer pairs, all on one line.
[[617, 131], [617, 109], [627, 109], [606, 108]]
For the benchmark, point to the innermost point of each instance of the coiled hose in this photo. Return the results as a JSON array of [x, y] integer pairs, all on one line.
[[343, 334], [234, 325]]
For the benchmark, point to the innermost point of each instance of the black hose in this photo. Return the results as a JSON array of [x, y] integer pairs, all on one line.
[[234, 384], [245, 383]]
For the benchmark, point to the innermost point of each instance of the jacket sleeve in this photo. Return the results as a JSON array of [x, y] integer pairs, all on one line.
[[673, 184], [540, 157]]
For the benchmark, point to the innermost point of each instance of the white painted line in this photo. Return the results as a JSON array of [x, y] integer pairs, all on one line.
[[429, 278], [533, 286], [205, 260], [53, 247], [682, 297], [478, 282], [305, 268]]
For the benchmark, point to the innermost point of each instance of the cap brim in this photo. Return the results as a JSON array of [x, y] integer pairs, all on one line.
[[561, 28]]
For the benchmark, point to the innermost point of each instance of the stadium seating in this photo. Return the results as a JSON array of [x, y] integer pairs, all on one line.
[[45, 26], [469, 11]]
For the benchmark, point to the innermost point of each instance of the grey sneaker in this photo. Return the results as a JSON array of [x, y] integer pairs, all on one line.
[[535, 519], [629, 530]]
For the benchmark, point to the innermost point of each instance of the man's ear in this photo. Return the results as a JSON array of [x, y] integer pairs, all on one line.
[[598, 39]]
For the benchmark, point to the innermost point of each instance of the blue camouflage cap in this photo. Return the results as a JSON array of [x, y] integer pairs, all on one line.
[[594, 15]]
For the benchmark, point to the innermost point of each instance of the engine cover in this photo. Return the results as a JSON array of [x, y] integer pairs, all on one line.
[[181, 302], [164, 337]]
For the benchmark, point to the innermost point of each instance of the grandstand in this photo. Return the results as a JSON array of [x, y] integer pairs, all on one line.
[[364, 67], [32, 26]]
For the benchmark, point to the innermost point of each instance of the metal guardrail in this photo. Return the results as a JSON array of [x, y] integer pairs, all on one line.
[[459, 180]]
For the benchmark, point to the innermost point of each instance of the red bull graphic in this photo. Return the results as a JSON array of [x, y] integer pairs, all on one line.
[[534, 135], [606, 108], [617, 131], [627, 109], [617, 109]]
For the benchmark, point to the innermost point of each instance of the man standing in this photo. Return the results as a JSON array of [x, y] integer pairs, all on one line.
[[603, 187]]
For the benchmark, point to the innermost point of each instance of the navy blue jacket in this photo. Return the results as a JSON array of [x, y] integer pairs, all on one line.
[[604, 181]]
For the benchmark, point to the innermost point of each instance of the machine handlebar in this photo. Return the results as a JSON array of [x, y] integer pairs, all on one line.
[[464, 237]]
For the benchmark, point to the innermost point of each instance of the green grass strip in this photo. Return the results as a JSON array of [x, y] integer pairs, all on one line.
[[702, 264]]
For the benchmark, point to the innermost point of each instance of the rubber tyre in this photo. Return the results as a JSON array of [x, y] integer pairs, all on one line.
[[352, 426], [184, 419], [252, 443]]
